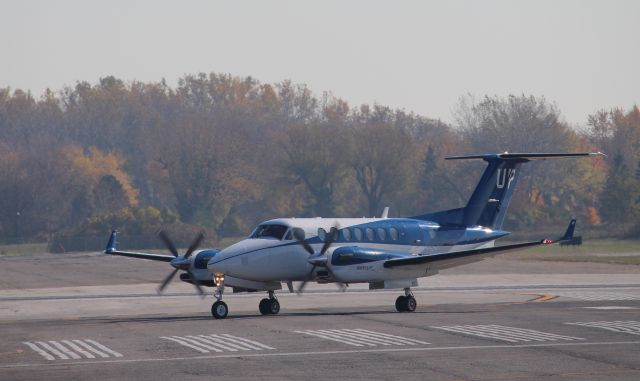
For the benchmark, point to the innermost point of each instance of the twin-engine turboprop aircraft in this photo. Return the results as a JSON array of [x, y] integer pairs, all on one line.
[[386, 253]]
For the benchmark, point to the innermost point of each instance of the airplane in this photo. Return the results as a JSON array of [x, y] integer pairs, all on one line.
[[386, 253]]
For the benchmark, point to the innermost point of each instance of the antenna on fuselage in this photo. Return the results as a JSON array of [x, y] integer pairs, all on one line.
[[385, 212]]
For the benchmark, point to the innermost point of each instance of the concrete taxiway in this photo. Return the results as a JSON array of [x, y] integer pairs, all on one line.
[[89, 316]]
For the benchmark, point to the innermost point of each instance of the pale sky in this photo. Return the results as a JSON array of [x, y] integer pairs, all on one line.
[[421, 56]]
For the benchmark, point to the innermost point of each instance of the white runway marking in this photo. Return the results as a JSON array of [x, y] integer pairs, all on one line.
[[630, 326], [66, 349], [597, 295], [217, 343], [361, 337], [355, 352], [504, 333]]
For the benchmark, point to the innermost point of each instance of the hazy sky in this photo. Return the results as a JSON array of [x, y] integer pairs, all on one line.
[[417, 55]]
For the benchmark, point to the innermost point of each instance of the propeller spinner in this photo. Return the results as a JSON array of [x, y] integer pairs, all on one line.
[[181, 262]]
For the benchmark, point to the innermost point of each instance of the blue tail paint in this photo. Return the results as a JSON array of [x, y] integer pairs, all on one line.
[[111, 245]]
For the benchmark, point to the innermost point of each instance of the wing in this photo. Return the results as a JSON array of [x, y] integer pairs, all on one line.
[[459, 258], [111, 249]]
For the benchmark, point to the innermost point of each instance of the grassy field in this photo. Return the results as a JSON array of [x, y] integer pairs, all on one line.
[[26, 248]]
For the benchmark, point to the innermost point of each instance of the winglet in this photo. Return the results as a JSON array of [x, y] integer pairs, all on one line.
[[111, 245], [568, 235], [385, 212]]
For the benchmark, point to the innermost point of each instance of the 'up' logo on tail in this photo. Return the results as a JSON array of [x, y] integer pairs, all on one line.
[[505, 176]]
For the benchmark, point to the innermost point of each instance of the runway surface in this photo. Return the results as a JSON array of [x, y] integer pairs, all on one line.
[[94, 317]]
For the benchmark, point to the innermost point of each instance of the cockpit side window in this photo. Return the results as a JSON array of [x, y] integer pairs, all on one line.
[[269, 231]]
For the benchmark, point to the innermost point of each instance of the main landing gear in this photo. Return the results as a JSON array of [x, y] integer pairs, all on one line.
[[406, 302], [269, 306]]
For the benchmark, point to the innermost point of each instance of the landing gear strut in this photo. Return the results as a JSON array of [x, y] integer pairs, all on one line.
[[406, 302], [269, 306], [219, 309]]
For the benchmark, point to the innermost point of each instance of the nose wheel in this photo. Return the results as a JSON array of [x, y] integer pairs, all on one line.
[[219, 310], [406, 302], [270, 305]]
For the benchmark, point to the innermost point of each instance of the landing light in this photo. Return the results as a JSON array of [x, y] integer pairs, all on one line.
[[218, 279]]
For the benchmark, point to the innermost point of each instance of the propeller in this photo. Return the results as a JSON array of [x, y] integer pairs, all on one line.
[[181, 262], [317, 259]]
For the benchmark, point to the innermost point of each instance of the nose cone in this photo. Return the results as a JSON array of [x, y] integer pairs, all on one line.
[[233, 260], [180, 263]]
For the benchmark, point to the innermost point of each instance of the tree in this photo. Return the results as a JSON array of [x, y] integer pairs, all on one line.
[[382, 158], [316, 156], [109, 195], [442, 186], [621, 195]]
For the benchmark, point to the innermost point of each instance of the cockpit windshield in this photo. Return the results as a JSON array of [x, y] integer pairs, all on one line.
[[269, 231]]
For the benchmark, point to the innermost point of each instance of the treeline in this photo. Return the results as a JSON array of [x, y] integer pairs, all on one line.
[[222, 153]]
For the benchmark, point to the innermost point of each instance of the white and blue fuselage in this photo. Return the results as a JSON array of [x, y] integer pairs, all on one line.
[[361, 247]]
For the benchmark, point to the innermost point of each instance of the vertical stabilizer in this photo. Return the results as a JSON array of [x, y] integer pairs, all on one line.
[[490, 200]]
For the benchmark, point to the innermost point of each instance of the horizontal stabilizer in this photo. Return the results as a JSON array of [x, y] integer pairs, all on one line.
[[524, 156]]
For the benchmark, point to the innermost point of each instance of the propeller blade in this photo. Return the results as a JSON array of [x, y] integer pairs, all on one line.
[[194, 245], [166, 281], [167, 242], [301, 287], [341, 286], [298, 234], [329, 239], [304, 283], [196, 284]]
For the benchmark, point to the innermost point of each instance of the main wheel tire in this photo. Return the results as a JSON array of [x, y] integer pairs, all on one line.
[[274, 306], [410, 304], [219, 310], [264, 306], [401, 303]]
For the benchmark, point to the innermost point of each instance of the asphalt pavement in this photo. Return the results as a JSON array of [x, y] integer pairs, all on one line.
[[90, 317]]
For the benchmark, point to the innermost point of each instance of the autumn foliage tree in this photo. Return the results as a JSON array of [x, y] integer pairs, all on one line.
[[222, 153]]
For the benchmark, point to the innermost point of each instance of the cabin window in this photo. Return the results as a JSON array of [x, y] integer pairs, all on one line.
[[370, 234], [346, 234], [357, 233], [322, 234], [393, 233], [269, 231], [382, 234]]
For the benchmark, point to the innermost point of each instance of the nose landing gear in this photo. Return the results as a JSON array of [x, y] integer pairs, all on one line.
[[219, 309], [269, 306], [406, 302]]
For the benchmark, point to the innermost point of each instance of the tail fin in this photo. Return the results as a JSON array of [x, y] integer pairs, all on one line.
[[490, 200], [111, 245]]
